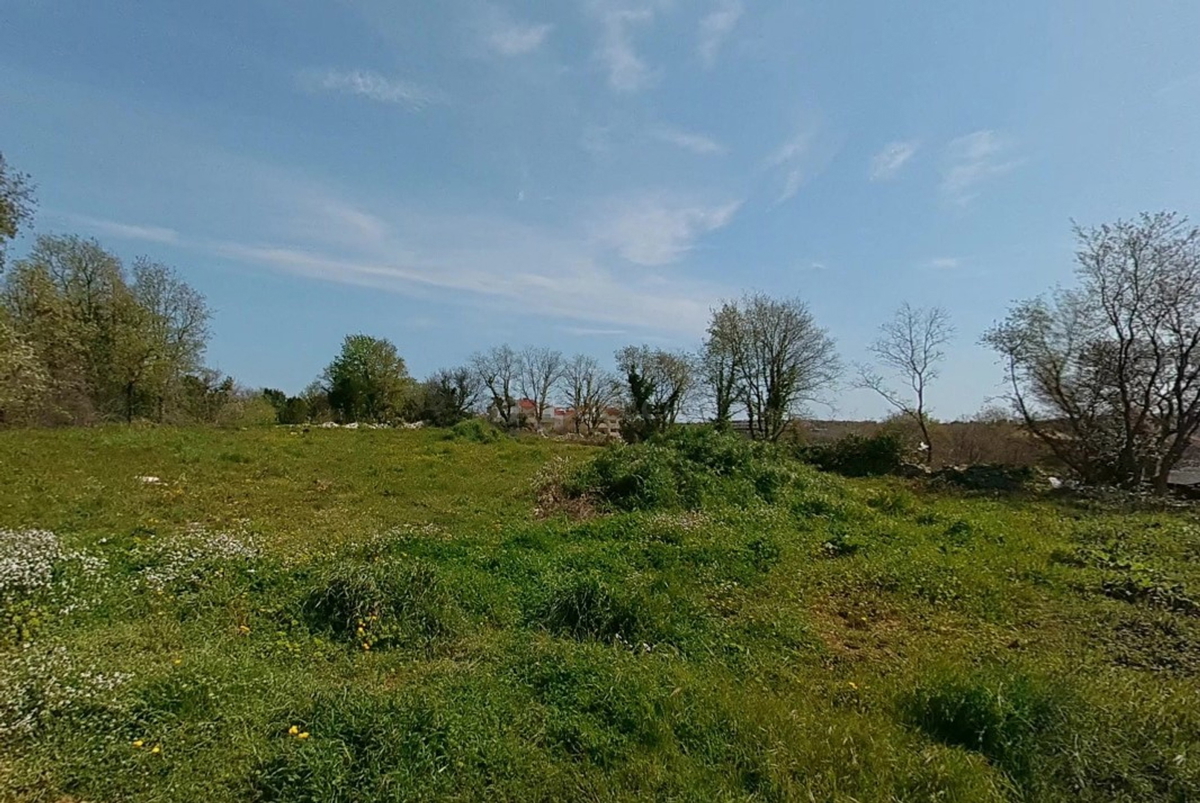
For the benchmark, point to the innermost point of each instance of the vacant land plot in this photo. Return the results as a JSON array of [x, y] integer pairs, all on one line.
[[358, 616]]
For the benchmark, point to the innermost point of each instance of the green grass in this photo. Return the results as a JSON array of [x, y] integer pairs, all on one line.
[[379, 615]]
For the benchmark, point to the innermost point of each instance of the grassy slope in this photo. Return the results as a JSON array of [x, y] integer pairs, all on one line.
[[852, 641]]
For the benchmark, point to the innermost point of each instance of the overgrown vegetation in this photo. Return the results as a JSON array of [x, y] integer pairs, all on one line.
[[380, 615]]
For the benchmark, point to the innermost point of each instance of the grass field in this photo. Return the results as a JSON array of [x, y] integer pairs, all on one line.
[[380, 615]]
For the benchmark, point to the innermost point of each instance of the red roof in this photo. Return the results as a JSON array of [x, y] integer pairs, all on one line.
[[526, 404]]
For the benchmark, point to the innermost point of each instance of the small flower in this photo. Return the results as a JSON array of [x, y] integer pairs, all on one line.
[[177, 661], [156, 749], [366, 645], [293, 730], [138, 742], [302, 735]]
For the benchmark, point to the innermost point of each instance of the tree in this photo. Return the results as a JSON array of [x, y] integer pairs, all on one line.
[[718, 370], [112, 345], [164, 337], [1107, 373], [590, 391], [23, 380], [16, 204], [498, 370], [368, 381], [449, 396], [541, 369], [910, 346], [780, 359], [658, 384]]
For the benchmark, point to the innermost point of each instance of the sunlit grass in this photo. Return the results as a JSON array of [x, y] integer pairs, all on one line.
[[752, 630]]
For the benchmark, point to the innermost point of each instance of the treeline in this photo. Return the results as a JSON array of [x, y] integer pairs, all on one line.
[[1104, 374]]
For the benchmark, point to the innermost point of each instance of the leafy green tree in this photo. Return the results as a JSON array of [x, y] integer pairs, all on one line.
[[659, 384], [16, 204], [368, 381], [449, 396], [112, 347], [23, 379]]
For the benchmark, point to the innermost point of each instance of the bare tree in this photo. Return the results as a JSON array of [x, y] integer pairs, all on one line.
[[1107, 374], [781, 358], [590, 390], [541, 368], [658, 384], [910, 347], [498, 370]]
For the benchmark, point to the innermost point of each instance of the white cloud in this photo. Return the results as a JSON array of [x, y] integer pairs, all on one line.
[[627, 71], [715, 27], [371, 85], [789, 158], [887, 163], [507, 37], [654, 230], [973, 160], [126, 231], [944, 263], [696, 143]]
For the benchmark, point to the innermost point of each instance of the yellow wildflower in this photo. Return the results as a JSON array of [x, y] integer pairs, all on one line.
[[366, 646], [293, 730], [138, 743], [156, 749], [302, 735]]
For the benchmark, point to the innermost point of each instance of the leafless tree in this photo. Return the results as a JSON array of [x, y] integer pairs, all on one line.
[[590, 390], [1107, 374], [781, 358], [910, 348], [541, 369], [498, 370]]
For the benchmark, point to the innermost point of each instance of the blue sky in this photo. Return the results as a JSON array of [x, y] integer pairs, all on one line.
[[591, 173]]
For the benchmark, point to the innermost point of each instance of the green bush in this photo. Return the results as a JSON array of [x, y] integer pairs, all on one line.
[[1003, 715], [688, 467], [856, 455], [474, 430], [383, 604], [586, 607]]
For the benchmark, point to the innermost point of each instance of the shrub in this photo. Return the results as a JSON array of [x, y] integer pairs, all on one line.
[[1001, 714], [857, 456], [474, 430], [687, 467], [383, 604], [586, 607]]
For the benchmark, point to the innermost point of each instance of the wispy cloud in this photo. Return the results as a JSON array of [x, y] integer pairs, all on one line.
[[508, 37], [789, 158], [944, 263], [696, 143], [627, 71], [125, 231], [887, 163], [973, 160], [587, 331], [715, 27], [654, 230], [371, 85]]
